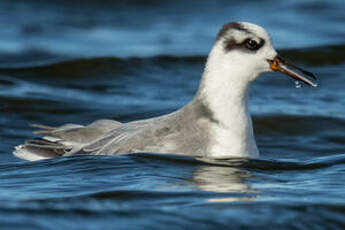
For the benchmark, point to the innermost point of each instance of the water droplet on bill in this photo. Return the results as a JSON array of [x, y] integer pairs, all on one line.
[[315, 85], [298, 84]]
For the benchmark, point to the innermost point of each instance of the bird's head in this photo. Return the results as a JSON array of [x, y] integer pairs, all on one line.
[[244, 50]]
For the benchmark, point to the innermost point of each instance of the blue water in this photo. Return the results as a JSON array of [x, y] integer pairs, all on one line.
[[78, 61]]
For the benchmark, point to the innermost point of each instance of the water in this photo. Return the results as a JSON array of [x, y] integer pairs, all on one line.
[[78, 61]]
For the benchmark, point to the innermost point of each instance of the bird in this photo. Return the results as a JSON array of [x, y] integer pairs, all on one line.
[[215, 124]]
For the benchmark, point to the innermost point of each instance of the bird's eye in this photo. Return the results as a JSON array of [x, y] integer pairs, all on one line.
[[252, 44]]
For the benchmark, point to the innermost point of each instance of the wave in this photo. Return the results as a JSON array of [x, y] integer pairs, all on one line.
[[84, 67], [295, 124], [103, 163]]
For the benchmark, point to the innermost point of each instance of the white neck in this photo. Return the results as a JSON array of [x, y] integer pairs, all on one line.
[[225, 91]]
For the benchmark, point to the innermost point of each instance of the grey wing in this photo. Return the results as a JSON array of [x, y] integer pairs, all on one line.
[[123, 139], [64, 140], [159, 135], [141, 136]]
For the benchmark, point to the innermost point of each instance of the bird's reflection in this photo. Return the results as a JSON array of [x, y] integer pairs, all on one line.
[[227, 180]]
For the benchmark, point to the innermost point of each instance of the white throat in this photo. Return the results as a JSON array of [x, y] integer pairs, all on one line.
[[224, 88]]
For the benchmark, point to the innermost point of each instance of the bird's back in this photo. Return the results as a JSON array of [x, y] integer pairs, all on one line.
[[165, 134]]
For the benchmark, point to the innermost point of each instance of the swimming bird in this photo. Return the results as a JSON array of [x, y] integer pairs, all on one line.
[[216, 123]]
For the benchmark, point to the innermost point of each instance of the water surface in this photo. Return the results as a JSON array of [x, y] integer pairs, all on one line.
[[78, 61]]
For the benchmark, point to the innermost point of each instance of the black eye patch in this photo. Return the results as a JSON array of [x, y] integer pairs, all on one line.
[[248, 44]]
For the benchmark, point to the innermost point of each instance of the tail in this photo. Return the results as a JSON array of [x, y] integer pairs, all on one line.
[[60, 141], [39, 149]]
